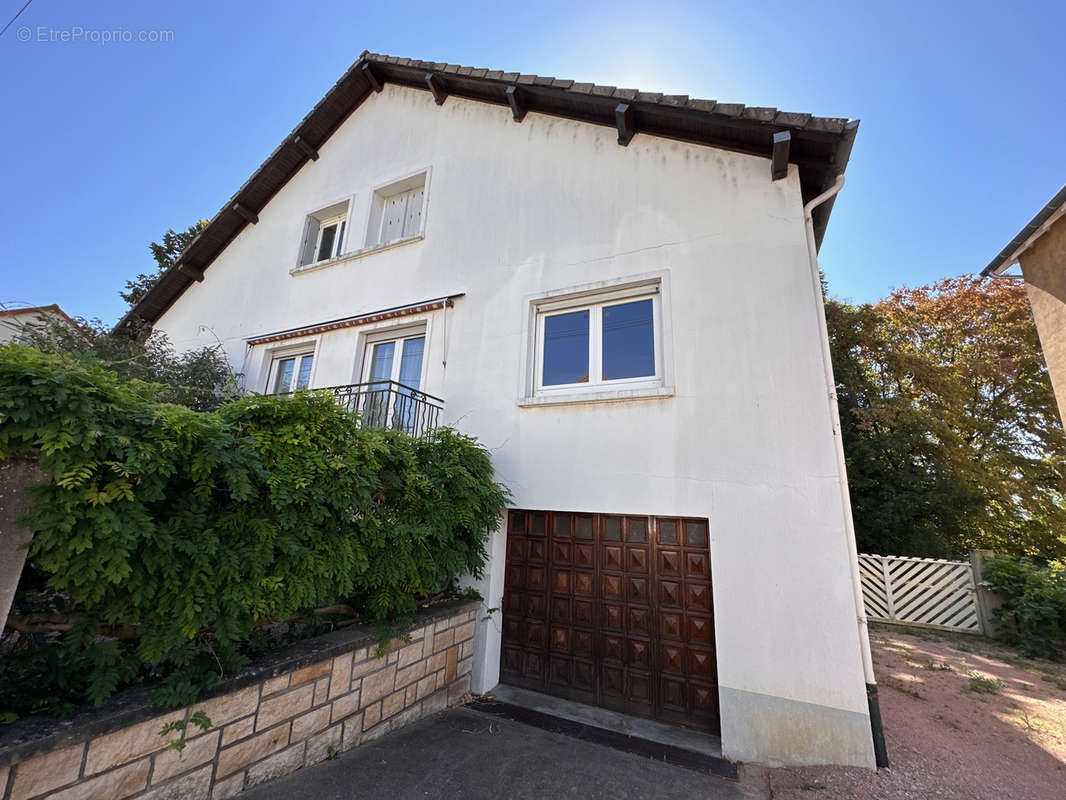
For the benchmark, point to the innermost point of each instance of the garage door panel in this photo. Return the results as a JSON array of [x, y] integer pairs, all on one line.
[[614, 618], [612, 588], [535, 551], [671, 626], [700, 630], [669, 563], [614, 610], [584, 613], [637, 591], [670, 594], [584, 556], [560, 609], [584, 584]]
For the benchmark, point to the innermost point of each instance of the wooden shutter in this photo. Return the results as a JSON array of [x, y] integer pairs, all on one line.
[[392, 221], [412, 223]]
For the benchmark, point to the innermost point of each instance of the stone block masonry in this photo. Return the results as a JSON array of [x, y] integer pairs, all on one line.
[[320, 697]]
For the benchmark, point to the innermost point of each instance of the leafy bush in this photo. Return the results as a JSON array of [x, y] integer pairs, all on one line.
[[985, 684], [200, 379], [1034, 601], [174, 532]]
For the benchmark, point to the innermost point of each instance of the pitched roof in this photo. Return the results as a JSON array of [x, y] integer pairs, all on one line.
[[820, 146], [1009, 254], [42, 310]]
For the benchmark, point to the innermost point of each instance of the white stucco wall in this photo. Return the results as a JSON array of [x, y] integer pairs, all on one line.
[[515, 210]]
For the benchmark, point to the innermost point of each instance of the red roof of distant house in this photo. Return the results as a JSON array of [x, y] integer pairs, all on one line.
[[52, 309]]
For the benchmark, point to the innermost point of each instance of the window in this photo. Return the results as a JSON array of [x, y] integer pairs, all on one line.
[[397, 211], [398, 360], [330, 239], [324, 234], [291, 373], [390, 362], [605, 343]]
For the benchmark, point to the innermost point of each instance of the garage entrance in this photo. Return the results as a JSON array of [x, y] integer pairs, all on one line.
[[614, 611]]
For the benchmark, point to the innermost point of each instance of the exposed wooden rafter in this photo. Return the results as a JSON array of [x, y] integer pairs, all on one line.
[[371, 78], [518, 111], [437, 88], [623, 119], [246, 213], [305, 148], [782, 140], [195, 273]]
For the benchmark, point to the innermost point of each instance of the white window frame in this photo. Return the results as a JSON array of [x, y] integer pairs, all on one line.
[[394, 334], [381, 194], [271, 357], [594, 297], [315, 221], [338, 244], [275, 365]]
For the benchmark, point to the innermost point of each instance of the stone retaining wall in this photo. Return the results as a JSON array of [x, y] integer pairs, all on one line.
[[291, 716]]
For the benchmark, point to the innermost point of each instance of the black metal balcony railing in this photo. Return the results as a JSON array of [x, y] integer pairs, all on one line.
[[391, 405]]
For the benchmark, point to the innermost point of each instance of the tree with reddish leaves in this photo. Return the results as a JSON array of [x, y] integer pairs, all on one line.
[[950, 428]]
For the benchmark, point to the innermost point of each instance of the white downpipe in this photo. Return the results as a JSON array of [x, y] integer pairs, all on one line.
[[834, 420]]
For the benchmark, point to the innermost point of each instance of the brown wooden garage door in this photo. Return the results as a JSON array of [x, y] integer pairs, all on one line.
[[614, 611]]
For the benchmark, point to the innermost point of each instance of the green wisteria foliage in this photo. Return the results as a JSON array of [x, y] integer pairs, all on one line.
[[187, 528]]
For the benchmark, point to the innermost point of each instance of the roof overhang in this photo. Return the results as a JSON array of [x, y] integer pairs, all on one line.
[[1027, 236], [819, 146]]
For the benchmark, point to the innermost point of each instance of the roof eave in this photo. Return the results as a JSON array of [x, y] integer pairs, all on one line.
[[1047, 216], [820, 147]]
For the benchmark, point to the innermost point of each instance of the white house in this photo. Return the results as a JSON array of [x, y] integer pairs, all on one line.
[[616, 293], [17, 323]]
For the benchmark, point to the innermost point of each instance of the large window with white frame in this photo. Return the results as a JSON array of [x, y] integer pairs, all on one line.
[[290, 372], [599, 342]]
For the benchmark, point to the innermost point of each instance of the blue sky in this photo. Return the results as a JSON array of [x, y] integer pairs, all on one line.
[[106, 145]]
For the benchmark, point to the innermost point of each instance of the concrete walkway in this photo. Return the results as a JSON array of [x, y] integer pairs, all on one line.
[[465, 754]]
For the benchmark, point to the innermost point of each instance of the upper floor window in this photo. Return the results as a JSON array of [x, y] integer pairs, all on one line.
[[397, 211], [291, 372], [598, 345], [324, 234]]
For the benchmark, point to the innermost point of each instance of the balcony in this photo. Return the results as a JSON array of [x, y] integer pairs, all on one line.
[[391, 405]]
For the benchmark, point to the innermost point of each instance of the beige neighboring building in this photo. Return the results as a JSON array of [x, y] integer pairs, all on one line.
[[1040, 250], [14, 322]]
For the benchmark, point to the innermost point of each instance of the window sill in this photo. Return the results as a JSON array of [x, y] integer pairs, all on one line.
[[605, 396], [355, 255]]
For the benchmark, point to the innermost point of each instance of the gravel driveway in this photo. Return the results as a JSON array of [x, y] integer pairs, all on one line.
[[946, 741]]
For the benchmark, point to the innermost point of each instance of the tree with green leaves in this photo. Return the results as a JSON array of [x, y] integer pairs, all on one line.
[[166, 255], [950, 428]]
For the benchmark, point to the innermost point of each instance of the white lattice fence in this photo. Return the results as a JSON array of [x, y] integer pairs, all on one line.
[[920, 591]]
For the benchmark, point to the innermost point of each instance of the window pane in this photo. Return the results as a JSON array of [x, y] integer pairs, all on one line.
[[566, 348], [628, 340], [381, 365], [340, 239], [303, 379], [284, 374], [411, 362], [325, 246]]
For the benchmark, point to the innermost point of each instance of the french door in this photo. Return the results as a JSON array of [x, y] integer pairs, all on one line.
[[394, 371]]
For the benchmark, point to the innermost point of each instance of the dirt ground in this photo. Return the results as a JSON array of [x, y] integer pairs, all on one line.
[[946, 739]]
